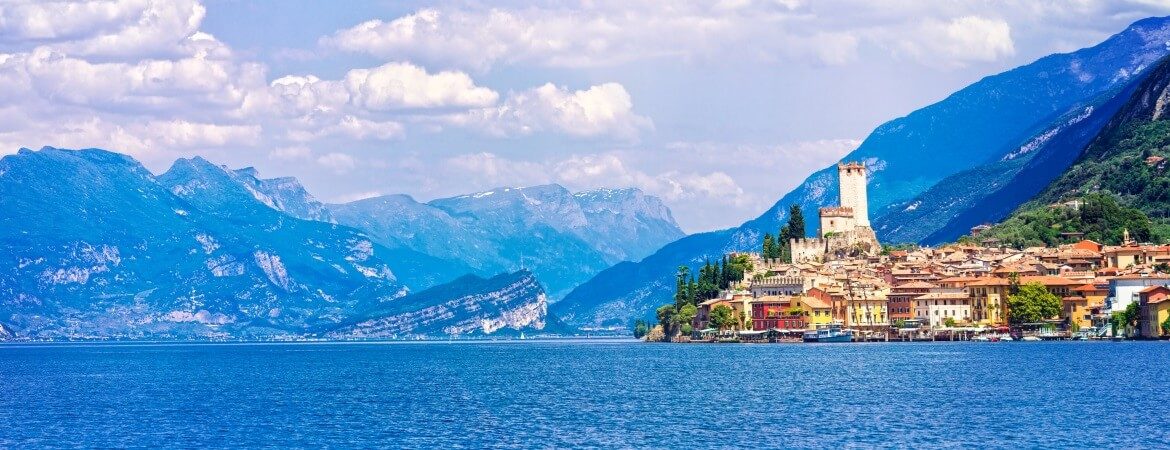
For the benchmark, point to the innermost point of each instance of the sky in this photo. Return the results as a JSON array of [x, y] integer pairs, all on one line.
[[717, 107]]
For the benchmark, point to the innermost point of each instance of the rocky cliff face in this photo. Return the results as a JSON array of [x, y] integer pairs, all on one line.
[[504, 304], [285, 194]]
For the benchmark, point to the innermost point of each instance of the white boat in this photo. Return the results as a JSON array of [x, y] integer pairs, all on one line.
[[829, 333], [1030, 339]]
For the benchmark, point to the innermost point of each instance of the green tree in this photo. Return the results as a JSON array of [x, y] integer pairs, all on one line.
[[640, 329], [687, 329], [794, 229], [680, 288], [1166, 326], [722, 317], [769, 250], [1033, 303], [666, 318], [949, 322], [686, 315], [1132, 314]]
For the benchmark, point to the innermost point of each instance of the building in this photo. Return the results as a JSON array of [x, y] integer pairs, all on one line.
[[775, 312], [1085, 302], [867, 312], [788, 313], [844, 229], [901, 299], [777, 285], [1154, 311], [1124, 289], [940, 304]]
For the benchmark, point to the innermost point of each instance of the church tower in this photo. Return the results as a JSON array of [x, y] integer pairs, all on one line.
[[852, 178]]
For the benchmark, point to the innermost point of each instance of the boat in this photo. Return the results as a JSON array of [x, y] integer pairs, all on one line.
[[828, 333], [1030, 339]]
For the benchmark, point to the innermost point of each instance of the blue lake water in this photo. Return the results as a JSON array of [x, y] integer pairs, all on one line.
[[586, 394]]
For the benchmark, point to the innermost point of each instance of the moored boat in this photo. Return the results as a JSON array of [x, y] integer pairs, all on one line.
[[829, 333]]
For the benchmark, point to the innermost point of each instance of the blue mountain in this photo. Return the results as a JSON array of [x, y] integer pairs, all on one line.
[[97, 246], [1014, 131], [564, 238]]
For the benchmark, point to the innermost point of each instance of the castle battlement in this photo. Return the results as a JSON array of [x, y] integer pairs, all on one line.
[[836, 211], [844, 229]]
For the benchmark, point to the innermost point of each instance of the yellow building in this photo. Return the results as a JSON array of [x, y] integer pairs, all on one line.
[[819, 312], [1154, 302], [870, 312], [1077, 308]]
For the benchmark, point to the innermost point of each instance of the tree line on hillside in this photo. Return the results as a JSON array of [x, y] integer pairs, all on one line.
[[676, 317], [1100, 217], [779, 246]]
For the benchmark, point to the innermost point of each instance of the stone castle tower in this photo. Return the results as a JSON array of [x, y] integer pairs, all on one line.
[[844, 229], [851, 178]]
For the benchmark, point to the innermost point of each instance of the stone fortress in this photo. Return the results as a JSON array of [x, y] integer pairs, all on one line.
[[844, 229]]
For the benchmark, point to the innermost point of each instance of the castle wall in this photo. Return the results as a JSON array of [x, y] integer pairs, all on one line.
[[807, 250], [837, 224]]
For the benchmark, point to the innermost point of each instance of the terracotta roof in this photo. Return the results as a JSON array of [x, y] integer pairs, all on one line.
[[1049, 280], [916, 285], [814, 303], [1153, 288], [990, 281], [942, 296], [1089, 288]]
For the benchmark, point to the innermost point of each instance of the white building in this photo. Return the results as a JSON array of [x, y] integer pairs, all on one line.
[[1124, 290], [936, 306]]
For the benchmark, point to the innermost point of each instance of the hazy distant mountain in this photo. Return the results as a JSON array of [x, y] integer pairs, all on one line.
[[285, 194], [504, 304], [973, 129], [563, 238]]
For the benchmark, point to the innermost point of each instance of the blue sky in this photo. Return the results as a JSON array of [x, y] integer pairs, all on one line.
[[719, 108]]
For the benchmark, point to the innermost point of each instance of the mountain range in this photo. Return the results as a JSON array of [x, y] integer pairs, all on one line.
[[564, 238], [971, 158], [96, 246]]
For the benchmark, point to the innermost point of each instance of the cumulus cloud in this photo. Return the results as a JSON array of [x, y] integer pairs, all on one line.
[[960, 40], [604, 109], [598, 33], [112, 29], [402, 85]]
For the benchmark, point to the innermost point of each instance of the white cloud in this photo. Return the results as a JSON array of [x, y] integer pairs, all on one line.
[[111, 29], [147, 84], [602, 110], [403, 85], [152, 141], [596, 34], [339, 163], [959, 41]]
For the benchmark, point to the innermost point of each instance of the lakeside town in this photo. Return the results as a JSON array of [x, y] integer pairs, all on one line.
[[843, 285]]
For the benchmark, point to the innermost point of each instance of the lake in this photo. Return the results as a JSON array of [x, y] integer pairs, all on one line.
[[608, 394]]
